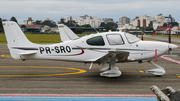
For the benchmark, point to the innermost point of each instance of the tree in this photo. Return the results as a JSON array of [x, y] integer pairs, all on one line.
[[14, 19], [108, 27], [111, 26], [150, 28], [1, 26], [49, 23], [151, 24], [86, 26], [79, 30], [174, 24], [102, 24], [23, 26], [71, 23], [165, 25], [62, 21], [38, 22]]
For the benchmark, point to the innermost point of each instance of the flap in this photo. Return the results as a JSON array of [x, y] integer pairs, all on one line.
[[120, 56]]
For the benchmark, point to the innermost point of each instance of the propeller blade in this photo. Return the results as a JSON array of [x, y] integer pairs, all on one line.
[[156, 55], [169, 34]]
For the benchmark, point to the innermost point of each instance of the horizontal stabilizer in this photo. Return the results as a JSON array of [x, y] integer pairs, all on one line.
[[28, 53]]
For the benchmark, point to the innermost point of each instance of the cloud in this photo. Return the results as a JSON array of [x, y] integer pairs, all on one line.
[[55, 9]]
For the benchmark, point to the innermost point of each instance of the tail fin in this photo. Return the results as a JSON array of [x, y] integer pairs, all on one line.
[[66, 33], [17, 41], [14, 35]]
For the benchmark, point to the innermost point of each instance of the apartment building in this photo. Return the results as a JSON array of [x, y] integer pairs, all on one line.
[[124, 20], [93, 21], [142, 21]]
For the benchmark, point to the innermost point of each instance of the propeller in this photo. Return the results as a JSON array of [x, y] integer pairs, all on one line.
[[169, 34], [170, 49]]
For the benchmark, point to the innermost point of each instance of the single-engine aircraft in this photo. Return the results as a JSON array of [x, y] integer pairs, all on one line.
[[101, 48]]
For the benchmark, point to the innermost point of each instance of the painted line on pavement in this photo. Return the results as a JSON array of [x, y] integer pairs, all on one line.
[[60, 74], [74, 99], [169, 59], [81, 95]]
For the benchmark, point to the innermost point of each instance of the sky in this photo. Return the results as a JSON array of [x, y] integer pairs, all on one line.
[[55, 9]]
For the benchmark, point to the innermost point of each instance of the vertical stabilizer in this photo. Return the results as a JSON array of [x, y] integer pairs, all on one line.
[[17, 41], [66, 33], [14, 35]]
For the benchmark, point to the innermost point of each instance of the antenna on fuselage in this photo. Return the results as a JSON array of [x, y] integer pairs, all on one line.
[[95, 29]]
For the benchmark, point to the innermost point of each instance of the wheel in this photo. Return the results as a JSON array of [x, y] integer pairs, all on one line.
[[158, 75]]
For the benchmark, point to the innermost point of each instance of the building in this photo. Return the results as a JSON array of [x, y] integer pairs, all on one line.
[[93, 21], [160, 19], [142, 21], [107, 20], [28, 22], [162, 30], [165, 30], [124, 27], [31, 28], [156, 24], [67, 18], [124, 20]]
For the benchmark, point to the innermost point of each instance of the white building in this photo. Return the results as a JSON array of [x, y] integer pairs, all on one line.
[[107, 20], [156, 24], [66, 18], [123, 27], [93, 21], [28, 22], [142, 21], [160, 19]]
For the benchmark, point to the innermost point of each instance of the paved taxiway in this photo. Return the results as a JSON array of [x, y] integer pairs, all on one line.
[[54, 77]]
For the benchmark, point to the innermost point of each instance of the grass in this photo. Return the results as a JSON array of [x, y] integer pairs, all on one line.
[[51, 38], [39, 38], [2, 38]]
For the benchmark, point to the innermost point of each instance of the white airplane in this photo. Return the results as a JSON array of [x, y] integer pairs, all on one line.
[[101, 48]]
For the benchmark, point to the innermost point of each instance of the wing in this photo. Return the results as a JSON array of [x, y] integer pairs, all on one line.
[[121, 56]]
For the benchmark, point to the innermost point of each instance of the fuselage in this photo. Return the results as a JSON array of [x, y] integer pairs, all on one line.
[[93, 47]]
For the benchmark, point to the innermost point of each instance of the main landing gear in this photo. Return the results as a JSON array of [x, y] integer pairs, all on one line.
[[112, 70]]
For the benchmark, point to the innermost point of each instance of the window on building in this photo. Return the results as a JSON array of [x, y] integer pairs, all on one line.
[[139, 23], [144, 22], [115, 39], [96, 41]]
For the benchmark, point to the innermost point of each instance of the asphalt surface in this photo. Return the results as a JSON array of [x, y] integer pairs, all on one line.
[[59, 77]]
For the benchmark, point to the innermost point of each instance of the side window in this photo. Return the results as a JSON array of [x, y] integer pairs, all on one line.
[[96, 41], [115, 39], [131, 38]]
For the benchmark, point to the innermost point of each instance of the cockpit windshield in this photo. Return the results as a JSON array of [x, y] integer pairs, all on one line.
[[131, 38]]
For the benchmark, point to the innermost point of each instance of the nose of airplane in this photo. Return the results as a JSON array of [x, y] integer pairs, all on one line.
[[172, 46]]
